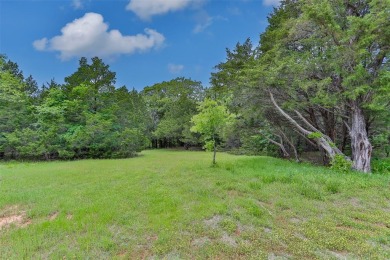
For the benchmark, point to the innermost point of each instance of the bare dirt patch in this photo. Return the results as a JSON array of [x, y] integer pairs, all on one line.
[[14, 219], [12, 215], [53, 215], [295, 220], [300, 236], [122, 254], [267, 230], [69, 216], [338, 255], [213, 222], [345, 228], [355, 202], [278, 256], [199, 242], [228, 240]]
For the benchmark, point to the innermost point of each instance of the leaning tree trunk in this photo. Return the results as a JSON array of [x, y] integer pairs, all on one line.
[[361, 146], [323, 140], [290, 142], [281, 145]]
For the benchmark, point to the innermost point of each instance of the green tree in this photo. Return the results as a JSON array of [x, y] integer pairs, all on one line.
[[99, 80], [211, 121], [49, 126], [15, 112], [85, 118], [171, 105], [326, 62], [228, 80]]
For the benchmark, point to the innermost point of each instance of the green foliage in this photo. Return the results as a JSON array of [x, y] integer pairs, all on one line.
[[319, 57], [211, 122], [381, 165], [171, 104], [340, 164], [212, 119], [209, 145], [315, 135], [131, 141], [85, 118], [381, 142], [257, 145]]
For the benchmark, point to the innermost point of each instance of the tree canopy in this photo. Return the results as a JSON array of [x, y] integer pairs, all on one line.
[[318, 81]]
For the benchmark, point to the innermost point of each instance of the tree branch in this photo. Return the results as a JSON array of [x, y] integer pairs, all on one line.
[[290, 119], [306, 122], [307, 139]]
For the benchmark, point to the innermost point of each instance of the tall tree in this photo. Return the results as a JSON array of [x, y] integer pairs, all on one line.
[[230, 83], [171, 105], [15, 113], [97, 77], [326, 61]]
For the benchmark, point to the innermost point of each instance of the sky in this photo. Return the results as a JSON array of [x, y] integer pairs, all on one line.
[[143, 41]]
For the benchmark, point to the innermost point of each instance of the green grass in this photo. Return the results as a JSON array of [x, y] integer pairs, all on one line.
[[176, 205]]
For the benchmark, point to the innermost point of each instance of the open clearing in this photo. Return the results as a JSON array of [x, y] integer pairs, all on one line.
[[174, 204]]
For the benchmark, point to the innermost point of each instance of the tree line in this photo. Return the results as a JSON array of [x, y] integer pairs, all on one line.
[[318, 81]]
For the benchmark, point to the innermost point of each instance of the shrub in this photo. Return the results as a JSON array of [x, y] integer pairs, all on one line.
[[340, 164], [381, 166]]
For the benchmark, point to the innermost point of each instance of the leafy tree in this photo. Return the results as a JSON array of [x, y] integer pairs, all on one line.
[[326, 61], [98, 79], [49, 124], [211, 121], [228, 81], [15, 111], [171, 105]]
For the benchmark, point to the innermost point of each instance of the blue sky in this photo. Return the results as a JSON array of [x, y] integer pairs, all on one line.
[[143, 41]]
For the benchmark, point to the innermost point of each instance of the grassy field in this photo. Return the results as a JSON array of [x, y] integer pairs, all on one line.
[[175, 205]]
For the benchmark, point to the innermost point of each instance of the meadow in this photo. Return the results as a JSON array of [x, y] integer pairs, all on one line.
[[167, 204]]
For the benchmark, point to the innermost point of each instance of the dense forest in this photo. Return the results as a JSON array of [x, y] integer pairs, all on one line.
[[318, 81]]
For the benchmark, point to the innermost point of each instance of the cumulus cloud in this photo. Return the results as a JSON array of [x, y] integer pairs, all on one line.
[[175, 68], [41, 44], [89, 36], [145, 9], [271, 2]]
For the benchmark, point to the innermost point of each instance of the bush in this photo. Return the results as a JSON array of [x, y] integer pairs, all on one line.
[[340, 164], [381, 166]]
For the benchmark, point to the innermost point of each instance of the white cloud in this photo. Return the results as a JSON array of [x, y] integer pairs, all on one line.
[[175, 68], [271, 2], [200, 27], [204, 20], [89, 36], [41, 44], [145, 9], [77, 4]]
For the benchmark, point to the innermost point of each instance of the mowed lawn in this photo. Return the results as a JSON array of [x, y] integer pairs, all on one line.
[[176, 205]]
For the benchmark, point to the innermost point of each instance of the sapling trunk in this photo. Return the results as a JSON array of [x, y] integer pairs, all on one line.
[[215, 150]]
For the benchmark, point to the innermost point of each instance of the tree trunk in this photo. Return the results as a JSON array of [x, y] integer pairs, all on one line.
[[281, 145], [361, 146], [323, 141], [345, 138], [290, 142]]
